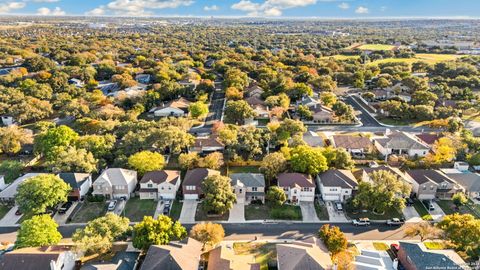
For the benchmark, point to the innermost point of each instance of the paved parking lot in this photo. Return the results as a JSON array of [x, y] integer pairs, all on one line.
[[334, 215], [189, 208], [308, 212]]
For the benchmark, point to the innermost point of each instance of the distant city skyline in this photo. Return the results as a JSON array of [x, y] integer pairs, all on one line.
[[248, 8]]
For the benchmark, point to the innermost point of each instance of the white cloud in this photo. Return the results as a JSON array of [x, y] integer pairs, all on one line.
[[383, 8], [46, 1], [44, 11], [361, 10], [99, 11], [344, 6], [7, 7], [211, 8], [142, 7], [270, 8]]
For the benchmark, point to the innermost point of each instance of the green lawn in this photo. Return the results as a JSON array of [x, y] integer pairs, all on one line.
[[4, 210], [429, 58], [434, 245], [136, 209], [380, 246], [243, 169], [176, 210], [89, 211], [264, 253], [201, 215], [375, 47], [449, 208], [389, 214], [420, 208], [262, 212], [321, 210]]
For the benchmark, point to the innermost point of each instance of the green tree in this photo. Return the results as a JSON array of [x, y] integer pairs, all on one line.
[[53, 138], [39, 231], [159, 231], [100, 233], [146, 161], [189, 161], [212, 161], [11, 169], [198, 110], [333, 238], [209, 234], [338, 158], [328, 98], [384, 191], [171, 137], [219, 197], [459, 199], [306, 159], [276, 196], [37, 193], [236, 112], [273, 164], [71, 159], [304, 112], [289, 128], [12, 139], [463, 231], [298, 90]]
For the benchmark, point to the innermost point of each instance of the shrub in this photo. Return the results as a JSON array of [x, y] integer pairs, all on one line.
[[95, 198], [427, 217]]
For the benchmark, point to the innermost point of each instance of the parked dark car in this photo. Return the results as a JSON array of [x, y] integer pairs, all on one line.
[[64, 208], [18, 212], [394, 249], [166, 210], [408, 201]]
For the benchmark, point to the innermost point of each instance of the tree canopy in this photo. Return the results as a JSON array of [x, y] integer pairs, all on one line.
[[158, 231]]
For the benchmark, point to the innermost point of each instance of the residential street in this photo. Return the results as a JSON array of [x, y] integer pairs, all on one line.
[[215, 110]]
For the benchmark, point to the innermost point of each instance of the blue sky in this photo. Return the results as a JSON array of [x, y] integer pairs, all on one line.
[[255, 8]]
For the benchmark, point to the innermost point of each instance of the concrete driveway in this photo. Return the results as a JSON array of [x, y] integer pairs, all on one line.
[[159, 209], [334, 215], [411, 215], [62, 218], [189, 208], [308, 212], [10, 219], [438, 213], [237, 213], [120, 206]]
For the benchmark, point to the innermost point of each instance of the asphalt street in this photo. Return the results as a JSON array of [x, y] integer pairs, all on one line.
[[215, 110], [248, 231]]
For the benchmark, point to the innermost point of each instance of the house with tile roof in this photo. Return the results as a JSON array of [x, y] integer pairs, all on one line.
[[176, 108], [159, 185], [336, 185], [207, 144], [298, 187], [357, 146]]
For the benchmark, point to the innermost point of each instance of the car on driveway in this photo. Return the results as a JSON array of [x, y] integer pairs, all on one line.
[[394, 222], [18, 212], [64, 208], [361, 222], [338, 206], [408, 201], [429, 205], [111, 205]]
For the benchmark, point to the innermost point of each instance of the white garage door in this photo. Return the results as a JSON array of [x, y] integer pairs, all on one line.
[[331, 198], [190, 196]]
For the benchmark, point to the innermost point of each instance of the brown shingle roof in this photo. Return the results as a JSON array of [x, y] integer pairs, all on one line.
[[180, 103], [196, 176], [310, 254], [352, 142], [31, 258], [338, 178], [212, 141], [183, 255], [294, 179], [159, 177]]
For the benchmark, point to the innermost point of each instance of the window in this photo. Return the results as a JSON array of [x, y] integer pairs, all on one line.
[[149, 185], [432, 187], [169, 188], [190, 187], [424, 187], [163, 188], [444, 185], [254, 188], [333, 189]]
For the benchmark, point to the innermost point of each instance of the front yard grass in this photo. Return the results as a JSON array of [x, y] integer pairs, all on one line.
[[264, 253], [201, 215], [450, 208], [243, 169], [89, 211], [136, 209], [380, 246], [4, 210], [389, 214], [435, 245], [322, 212], [420, 208], [265, 211], [176, 210]]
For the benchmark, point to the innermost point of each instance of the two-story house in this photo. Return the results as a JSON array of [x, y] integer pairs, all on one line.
[[298, 187], [192, 185], [336, 185], [79, 182], [248, 187], [45, 258], [159, 185], [115, 183], [432, 184], [401, 143]]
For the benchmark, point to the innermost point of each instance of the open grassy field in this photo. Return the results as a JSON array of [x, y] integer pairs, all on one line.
[[429, 58], [341, 57], [376, 47]]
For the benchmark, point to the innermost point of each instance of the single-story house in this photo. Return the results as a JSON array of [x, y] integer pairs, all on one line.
[[308, 101], [79, 182], [223, 257], [401, 143], [115, 183], [176, 108], [357, 146], [313, 139], [468, 180], [310, 253], [46, 258], [8, 194], [298, 187], [253, 90], [159, 185], [208, 144], [415, 256], [322, 114], [431, 184], [181, 255], [336, 185], [192, 185], [122, 260], [363, 174], [248, 187]]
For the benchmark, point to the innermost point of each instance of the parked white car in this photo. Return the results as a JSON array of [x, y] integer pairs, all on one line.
[[361, 222], [111, 205]]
